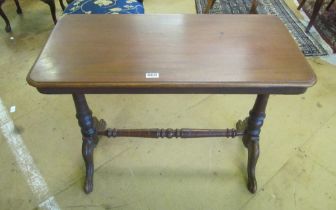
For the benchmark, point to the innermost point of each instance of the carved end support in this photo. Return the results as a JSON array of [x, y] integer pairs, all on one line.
[[100, 126], [241, 127], [89, 127], [87, 151], [251, 138], [253, 155]]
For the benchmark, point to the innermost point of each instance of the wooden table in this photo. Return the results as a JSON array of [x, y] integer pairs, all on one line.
[[179, 54]]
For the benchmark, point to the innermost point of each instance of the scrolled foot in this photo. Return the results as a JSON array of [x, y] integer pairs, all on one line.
[[87, 151], [252, 185], [88, 185]]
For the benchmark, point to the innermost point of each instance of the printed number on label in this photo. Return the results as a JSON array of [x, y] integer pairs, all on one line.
[[152, 75]]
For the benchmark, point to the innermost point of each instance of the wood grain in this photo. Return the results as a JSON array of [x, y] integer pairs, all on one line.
[[191, 53]]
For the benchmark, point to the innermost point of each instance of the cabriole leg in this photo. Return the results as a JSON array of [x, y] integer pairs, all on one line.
[[89, 134], [251, 138]]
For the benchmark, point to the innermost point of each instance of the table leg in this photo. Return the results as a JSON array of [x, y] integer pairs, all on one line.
[[252, 126], [89, 137], [317, 6], [254, 6], [329, 5], [18, 7], [52, 7], [62, 4], [209, 6], [3, 15], [301, 4]]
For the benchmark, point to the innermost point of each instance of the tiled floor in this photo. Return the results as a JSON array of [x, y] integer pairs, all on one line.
[[296, 169]]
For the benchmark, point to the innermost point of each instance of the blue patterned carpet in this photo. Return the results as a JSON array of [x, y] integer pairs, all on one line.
[[308, 45]]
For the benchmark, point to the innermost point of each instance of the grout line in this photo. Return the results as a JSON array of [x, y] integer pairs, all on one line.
[[25, 162], [199, 102], [323, 167], [320, 127]]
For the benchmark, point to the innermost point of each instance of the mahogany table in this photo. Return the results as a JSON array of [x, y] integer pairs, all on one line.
[[171, 54]]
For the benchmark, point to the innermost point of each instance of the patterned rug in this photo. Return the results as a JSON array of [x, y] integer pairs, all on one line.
[[325, 23], [309, 45]]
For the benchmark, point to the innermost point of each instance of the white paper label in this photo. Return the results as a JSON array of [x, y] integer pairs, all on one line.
[[152, 75]]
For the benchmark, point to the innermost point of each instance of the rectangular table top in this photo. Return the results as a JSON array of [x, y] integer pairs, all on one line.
[[171, 54]]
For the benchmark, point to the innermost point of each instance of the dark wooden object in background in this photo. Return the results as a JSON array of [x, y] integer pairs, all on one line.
[[196, 55], [211, 3], [317, 6], [51, 4], [3, 15]]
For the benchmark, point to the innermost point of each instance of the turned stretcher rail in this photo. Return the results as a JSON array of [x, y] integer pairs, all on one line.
[[170, 133]]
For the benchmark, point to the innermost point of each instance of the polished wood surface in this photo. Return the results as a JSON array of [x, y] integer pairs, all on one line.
[[191, 53]]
